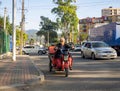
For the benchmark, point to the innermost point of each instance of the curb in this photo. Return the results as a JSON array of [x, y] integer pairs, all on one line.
[[5, 55], [41, 76], [12, 86]]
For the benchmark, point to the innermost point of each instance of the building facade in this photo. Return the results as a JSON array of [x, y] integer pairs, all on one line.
[[109, 15], [110, 11]]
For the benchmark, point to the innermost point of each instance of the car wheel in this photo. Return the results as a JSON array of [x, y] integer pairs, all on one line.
[[44, 52], [82, 55], [93, 56], [40, 52]]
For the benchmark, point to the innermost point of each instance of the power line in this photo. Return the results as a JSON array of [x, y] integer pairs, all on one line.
[[87, 4], [101, 2], [95, 2], [92, 4]]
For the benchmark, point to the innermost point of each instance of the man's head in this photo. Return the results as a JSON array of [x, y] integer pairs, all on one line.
[[62, 40]]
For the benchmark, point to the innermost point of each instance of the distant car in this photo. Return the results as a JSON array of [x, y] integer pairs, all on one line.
[[77, 47], [33, 49], [97, 49], [71, 44]]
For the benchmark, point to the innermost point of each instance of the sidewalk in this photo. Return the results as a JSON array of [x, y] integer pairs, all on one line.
[[18, 73]]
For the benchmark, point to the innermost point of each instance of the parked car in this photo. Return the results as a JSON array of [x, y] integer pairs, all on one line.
[[77, 47], [97, 49], [71, 44], [33, 49]]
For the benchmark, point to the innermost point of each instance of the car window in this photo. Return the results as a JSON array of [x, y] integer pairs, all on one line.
[[29, 47], [77, 45], [83, 43], [88, 45], [32, 47], [99, 44]]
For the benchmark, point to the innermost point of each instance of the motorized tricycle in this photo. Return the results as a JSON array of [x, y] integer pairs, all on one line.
[[61, 61]]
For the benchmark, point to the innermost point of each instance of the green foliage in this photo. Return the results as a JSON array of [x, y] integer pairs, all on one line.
[[8, 24], [75, 37], [1, 21], [18, 37], [52, 35], [83, 36], [48, 26], [66, 13], [32, 41]]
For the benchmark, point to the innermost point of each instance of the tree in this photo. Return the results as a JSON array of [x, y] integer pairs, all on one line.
[[48, 29], [32, 41], [83, 36], [18, 34], [8, 24], [66, 13], [1, 21]]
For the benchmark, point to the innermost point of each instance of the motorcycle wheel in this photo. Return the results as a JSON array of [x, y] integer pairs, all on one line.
[[66, 72], [50, 66]]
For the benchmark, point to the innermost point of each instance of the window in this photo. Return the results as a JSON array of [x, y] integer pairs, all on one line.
[[88, 45], [29, 47], [115, 12], [99, 44]]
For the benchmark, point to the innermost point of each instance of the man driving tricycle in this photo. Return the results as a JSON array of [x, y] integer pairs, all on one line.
[[61, 60]]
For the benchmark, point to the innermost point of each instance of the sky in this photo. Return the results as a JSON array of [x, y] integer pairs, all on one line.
[[36, 8]]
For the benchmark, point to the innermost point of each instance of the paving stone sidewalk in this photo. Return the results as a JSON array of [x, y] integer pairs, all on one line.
[[23, 71]]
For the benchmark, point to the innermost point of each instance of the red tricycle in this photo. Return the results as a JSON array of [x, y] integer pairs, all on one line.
[[61, 61]]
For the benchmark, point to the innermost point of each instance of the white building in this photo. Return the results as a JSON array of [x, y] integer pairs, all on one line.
[[110, 11]]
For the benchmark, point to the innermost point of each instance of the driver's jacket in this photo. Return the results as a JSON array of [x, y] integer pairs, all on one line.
[[58, 51]]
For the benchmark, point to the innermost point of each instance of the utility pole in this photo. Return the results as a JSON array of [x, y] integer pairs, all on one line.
[[22, 26], [48, 37], [14, 29], [5, 12]]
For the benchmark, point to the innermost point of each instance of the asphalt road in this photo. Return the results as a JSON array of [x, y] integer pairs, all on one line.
[[87, 75]]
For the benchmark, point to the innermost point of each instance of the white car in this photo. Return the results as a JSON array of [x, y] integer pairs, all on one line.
[[33, 49], [98, 49], [77, 47]]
